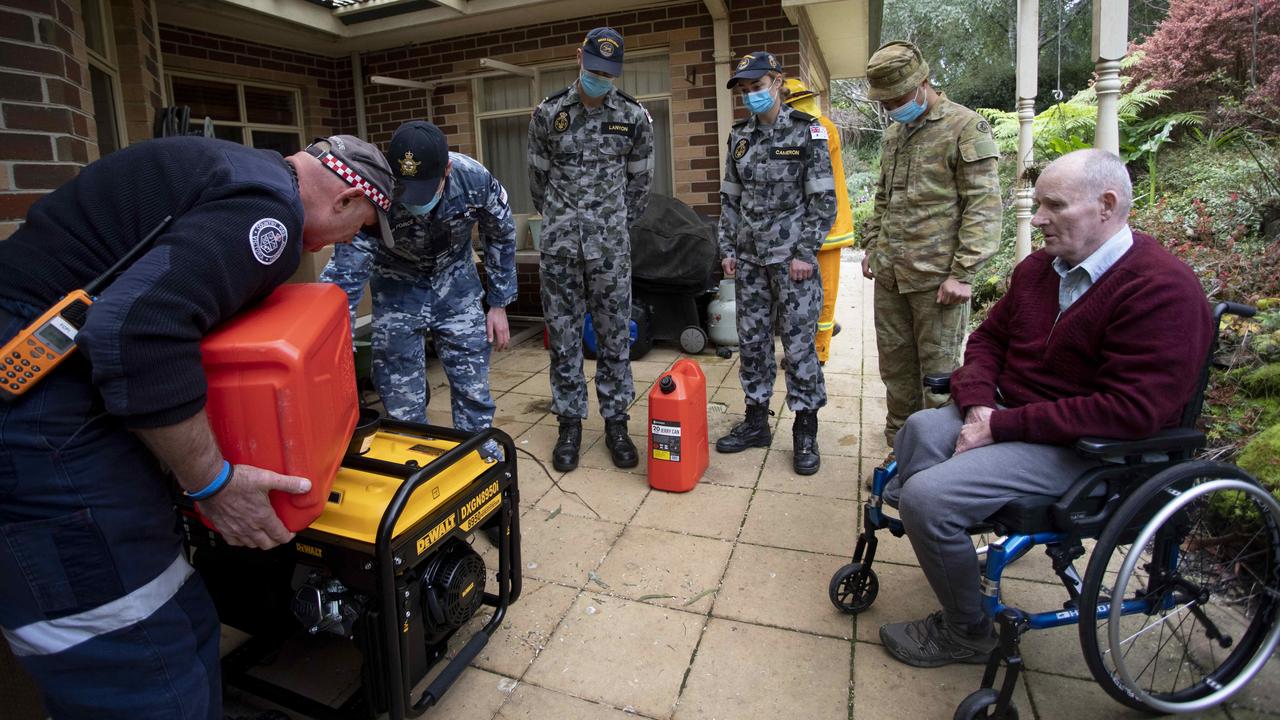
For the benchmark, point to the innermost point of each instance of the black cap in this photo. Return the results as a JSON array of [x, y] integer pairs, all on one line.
[[753, 66], [419, 156], [602, 51]]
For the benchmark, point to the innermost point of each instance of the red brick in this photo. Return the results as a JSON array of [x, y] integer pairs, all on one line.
[[51, 33], [15, 206], [72, 149], [43, 7], [66, 14], [80, 122], [21, 146], [20, 87], [72, 70], [17, 27], [62, 92], [31, 59], [702, 116], [695, 140], [706, 187], [42, 176], [704, 164], [44, 119]]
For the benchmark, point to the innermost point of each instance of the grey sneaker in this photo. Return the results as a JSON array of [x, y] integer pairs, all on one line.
[[931, 642]]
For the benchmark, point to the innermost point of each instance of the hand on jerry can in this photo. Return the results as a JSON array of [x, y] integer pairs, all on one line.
[[242, 511]]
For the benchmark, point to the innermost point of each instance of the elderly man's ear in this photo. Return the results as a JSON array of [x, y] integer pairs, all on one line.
[[1109, 201]]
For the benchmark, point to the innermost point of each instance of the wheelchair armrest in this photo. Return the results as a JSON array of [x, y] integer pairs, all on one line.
[[1172, 440], [938, 384]]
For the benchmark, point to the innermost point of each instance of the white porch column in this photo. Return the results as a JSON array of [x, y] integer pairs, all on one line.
[[1027, 69], [722, 55], [1110, 42]]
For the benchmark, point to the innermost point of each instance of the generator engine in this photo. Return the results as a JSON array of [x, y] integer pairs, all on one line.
[[326, 605], [452, 589]]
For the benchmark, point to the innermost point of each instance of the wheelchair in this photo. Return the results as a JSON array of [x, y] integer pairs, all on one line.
[[1179, 605]]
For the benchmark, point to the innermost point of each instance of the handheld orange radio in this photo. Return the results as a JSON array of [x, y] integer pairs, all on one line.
[[39, 347]]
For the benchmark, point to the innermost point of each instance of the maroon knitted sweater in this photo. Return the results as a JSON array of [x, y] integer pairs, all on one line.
[[1121, 362]]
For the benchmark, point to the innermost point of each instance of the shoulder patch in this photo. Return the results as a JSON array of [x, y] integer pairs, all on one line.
[[561, 123], [502, 194], [740, 148], [267, 239], [817, 132], [983, 127]]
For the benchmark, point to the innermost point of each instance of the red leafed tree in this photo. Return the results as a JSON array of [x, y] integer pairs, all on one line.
[[1207, 49]]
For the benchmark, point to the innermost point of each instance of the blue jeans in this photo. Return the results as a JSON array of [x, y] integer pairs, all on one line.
[[96, 599]]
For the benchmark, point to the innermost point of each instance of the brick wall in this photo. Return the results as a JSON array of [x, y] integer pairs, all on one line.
[[46, 128], [138, 58], [328, 103]]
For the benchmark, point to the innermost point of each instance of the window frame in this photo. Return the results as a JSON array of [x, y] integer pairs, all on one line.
[[106, 64], [246, 128]]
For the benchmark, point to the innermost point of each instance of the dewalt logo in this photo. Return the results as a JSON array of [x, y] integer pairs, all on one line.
[[309, 549], [436, 533]]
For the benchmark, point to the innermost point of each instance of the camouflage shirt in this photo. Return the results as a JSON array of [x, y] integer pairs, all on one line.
[[778, 199], [589, 172], [938, 209], [432, 246]]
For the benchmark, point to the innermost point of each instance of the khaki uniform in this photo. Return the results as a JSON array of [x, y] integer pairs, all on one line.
[[937, 215]]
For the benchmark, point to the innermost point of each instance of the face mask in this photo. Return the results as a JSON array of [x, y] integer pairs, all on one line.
[[759, 102], [594, 85], [421, 210], [908, 112]]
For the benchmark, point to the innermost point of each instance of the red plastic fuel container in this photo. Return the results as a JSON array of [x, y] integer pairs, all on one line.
[[282, 390], [678, 428]]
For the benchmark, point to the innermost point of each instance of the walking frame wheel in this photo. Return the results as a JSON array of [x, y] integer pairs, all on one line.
[[977, 704], [853, 588]]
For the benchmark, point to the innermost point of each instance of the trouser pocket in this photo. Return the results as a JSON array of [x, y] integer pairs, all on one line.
[[64, 563]]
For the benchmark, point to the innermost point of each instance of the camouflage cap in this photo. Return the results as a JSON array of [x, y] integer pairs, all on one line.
[[895, 70]]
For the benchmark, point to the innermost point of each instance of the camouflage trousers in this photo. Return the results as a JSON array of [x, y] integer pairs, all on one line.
[[916, 337], [570, 287], [403, 313], [761, 291]]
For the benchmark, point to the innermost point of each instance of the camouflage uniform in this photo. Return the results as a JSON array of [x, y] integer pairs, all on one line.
[[777, 203], [428, 283], [589, 174], [937, 215]]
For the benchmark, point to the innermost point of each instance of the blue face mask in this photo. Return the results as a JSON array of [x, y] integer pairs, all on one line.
[[421, 210], [594, 85], [908, 112], [759, 102]]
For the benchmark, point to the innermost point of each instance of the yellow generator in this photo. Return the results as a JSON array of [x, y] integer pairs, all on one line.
[[388, 565]]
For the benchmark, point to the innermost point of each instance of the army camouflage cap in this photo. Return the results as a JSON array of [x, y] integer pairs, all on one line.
[[895, 70]]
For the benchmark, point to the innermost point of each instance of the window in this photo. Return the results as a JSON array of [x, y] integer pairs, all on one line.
[[503, 106], [104, 76], [259, 116]]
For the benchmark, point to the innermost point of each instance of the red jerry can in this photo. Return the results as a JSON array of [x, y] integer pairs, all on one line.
[[678, 446]]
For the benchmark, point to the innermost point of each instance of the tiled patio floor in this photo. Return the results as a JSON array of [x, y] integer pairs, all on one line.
[[713, 604]]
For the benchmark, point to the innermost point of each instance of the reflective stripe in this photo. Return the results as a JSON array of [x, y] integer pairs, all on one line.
[[729, 188], [820, 185], [540, 162], [826, 326], [842, 239], [53, 636]]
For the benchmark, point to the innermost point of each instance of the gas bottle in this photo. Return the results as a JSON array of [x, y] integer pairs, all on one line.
[[678, 428], [722, 316]]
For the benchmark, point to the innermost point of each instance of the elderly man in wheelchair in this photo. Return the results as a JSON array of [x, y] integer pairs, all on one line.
[[1072, 426]]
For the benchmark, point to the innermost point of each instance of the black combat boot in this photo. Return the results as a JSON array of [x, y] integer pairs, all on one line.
[[752, 432], [565, 455], [619, 443], [804, 443]]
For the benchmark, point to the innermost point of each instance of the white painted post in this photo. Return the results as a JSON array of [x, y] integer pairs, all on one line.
[[1027, 69], [1110, 43]]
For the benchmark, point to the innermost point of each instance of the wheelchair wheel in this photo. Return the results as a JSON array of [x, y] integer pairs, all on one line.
[[853, 588], [1192, 563], [978, 703]]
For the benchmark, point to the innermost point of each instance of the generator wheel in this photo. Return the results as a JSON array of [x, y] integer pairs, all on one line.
[[977, 704], [693, 340], [853, 588]]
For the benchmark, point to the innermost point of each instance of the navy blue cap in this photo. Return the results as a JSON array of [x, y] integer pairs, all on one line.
[[602, 51], [419, 156], [753, 66]]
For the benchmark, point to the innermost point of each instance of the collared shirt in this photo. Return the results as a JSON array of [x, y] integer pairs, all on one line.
[[1076, 281]]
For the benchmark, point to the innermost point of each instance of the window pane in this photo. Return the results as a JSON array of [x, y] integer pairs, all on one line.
[[285, 143], [207, 97], [229, 132], [553, 81], [506, 154], [95, 31], [661, 112], [504, 93], [104, 109], [269, 107], [646, 76]]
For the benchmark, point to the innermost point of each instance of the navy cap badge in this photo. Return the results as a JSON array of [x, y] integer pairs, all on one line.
[[607, 47], [744, 62]]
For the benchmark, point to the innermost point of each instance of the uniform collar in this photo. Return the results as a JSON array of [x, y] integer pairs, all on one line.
[[610, 98]]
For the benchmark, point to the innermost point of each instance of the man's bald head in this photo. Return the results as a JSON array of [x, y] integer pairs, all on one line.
[[1082, 199]]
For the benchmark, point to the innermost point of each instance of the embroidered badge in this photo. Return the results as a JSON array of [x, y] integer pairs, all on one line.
[[562, 121], [607, 47], [983, 127], [817, 132], [740, 149], [502, 194], [773, 62], [408, 166], [744, 62], [267, 238]]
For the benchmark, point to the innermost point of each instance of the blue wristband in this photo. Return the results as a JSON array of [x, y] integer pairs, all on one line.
[[213, 487]]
